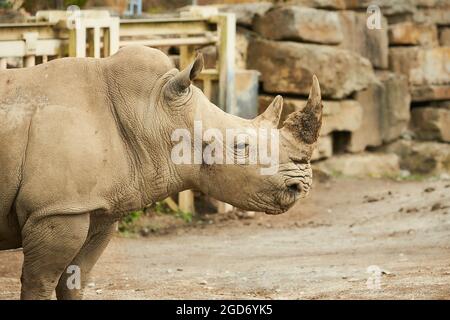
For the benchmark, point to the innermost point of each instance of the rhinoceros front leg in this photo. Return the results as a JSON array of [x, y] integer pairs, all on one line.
[[100, 233], [49, 245]]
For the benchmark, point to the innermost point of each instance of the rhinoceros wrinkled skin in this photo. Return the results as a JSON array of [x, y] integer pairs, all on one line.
[[85, 141]]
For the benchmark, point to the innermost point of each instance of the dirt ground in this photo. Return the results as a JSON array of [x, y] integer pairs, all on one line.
[[321, 249]]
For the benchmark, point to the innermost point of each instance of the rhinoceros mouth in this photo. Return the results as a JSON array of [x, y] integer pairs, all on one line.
[[275, 212]]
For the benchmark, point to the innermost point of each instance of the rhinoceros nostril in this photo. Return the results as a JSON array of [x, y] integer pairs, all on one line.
[[294, 187]]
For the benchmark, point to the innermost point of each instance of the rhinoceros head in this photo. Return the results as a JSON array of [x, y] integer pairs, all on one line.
[[268, 179]]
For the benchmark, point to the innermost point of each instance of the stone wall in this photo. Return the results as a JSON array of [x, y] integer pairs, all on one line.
[[383, 89]]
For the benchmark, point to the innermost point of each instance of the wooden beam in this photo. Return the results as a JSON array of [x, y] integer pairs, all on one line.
[[18, 48], [187, 56], [3, 64], [15, 31], [227, 38], [171, 41], [94, 42], [77, 42], [186, 201], [132, 28], [172, 204]]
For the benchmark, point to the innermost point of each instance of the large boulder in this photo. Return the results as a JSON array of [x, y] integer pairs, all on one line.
[[324, 148], [422, 66], [245, 12], [430, 93], [410, 33], [342, 115], [321, 4], [372, 44], [431, 123], [395, 105], [300, 24], [243, 37], [422, 157], [387, 7], [439, 16], [362, 165], [287, 67], [370, 132], [386, 114], [444, 36]]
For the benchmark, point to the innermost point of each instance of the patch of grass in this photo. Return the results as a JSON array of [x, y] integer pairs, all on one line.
[[4, 4], [132, 223], [418, 177], [162, 208], [127, 223], [186, 216]]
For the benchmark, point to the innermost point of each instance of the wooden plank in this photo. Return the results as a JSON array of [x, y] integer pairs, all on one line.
[[94, 42], [227, 33], [172, 204], [106, 42], [18, 48], [77, 42], [114, 35], [151, 28], [187, 56], [3, 64], [171, 41], [186, 201], [29, 61], [13, 31]]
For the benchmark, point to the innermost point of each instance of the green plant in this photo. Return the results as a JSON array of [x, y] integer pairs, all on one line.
[[5, 4], [79, 3], [186, 216], [162, 208], [126, 224]]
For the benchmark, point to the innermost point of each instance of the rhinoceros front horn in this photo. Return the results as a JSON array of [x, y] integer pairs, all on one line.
[[179, 83], [305, 124]]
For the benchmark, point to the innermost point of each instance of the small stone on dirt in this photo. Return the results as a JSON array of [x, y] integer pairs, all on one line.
[[245, 214], [436, 206], [203, 283], [372, 199], [430, 189]]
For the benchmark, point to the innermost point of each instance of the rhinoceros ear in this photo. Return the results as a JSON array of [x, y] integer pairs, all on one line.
[[184, 78], [272, 114]]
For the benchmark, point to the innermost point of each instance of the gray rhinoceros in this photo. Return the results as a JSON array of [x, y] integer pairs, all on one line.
[[85, 141]]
